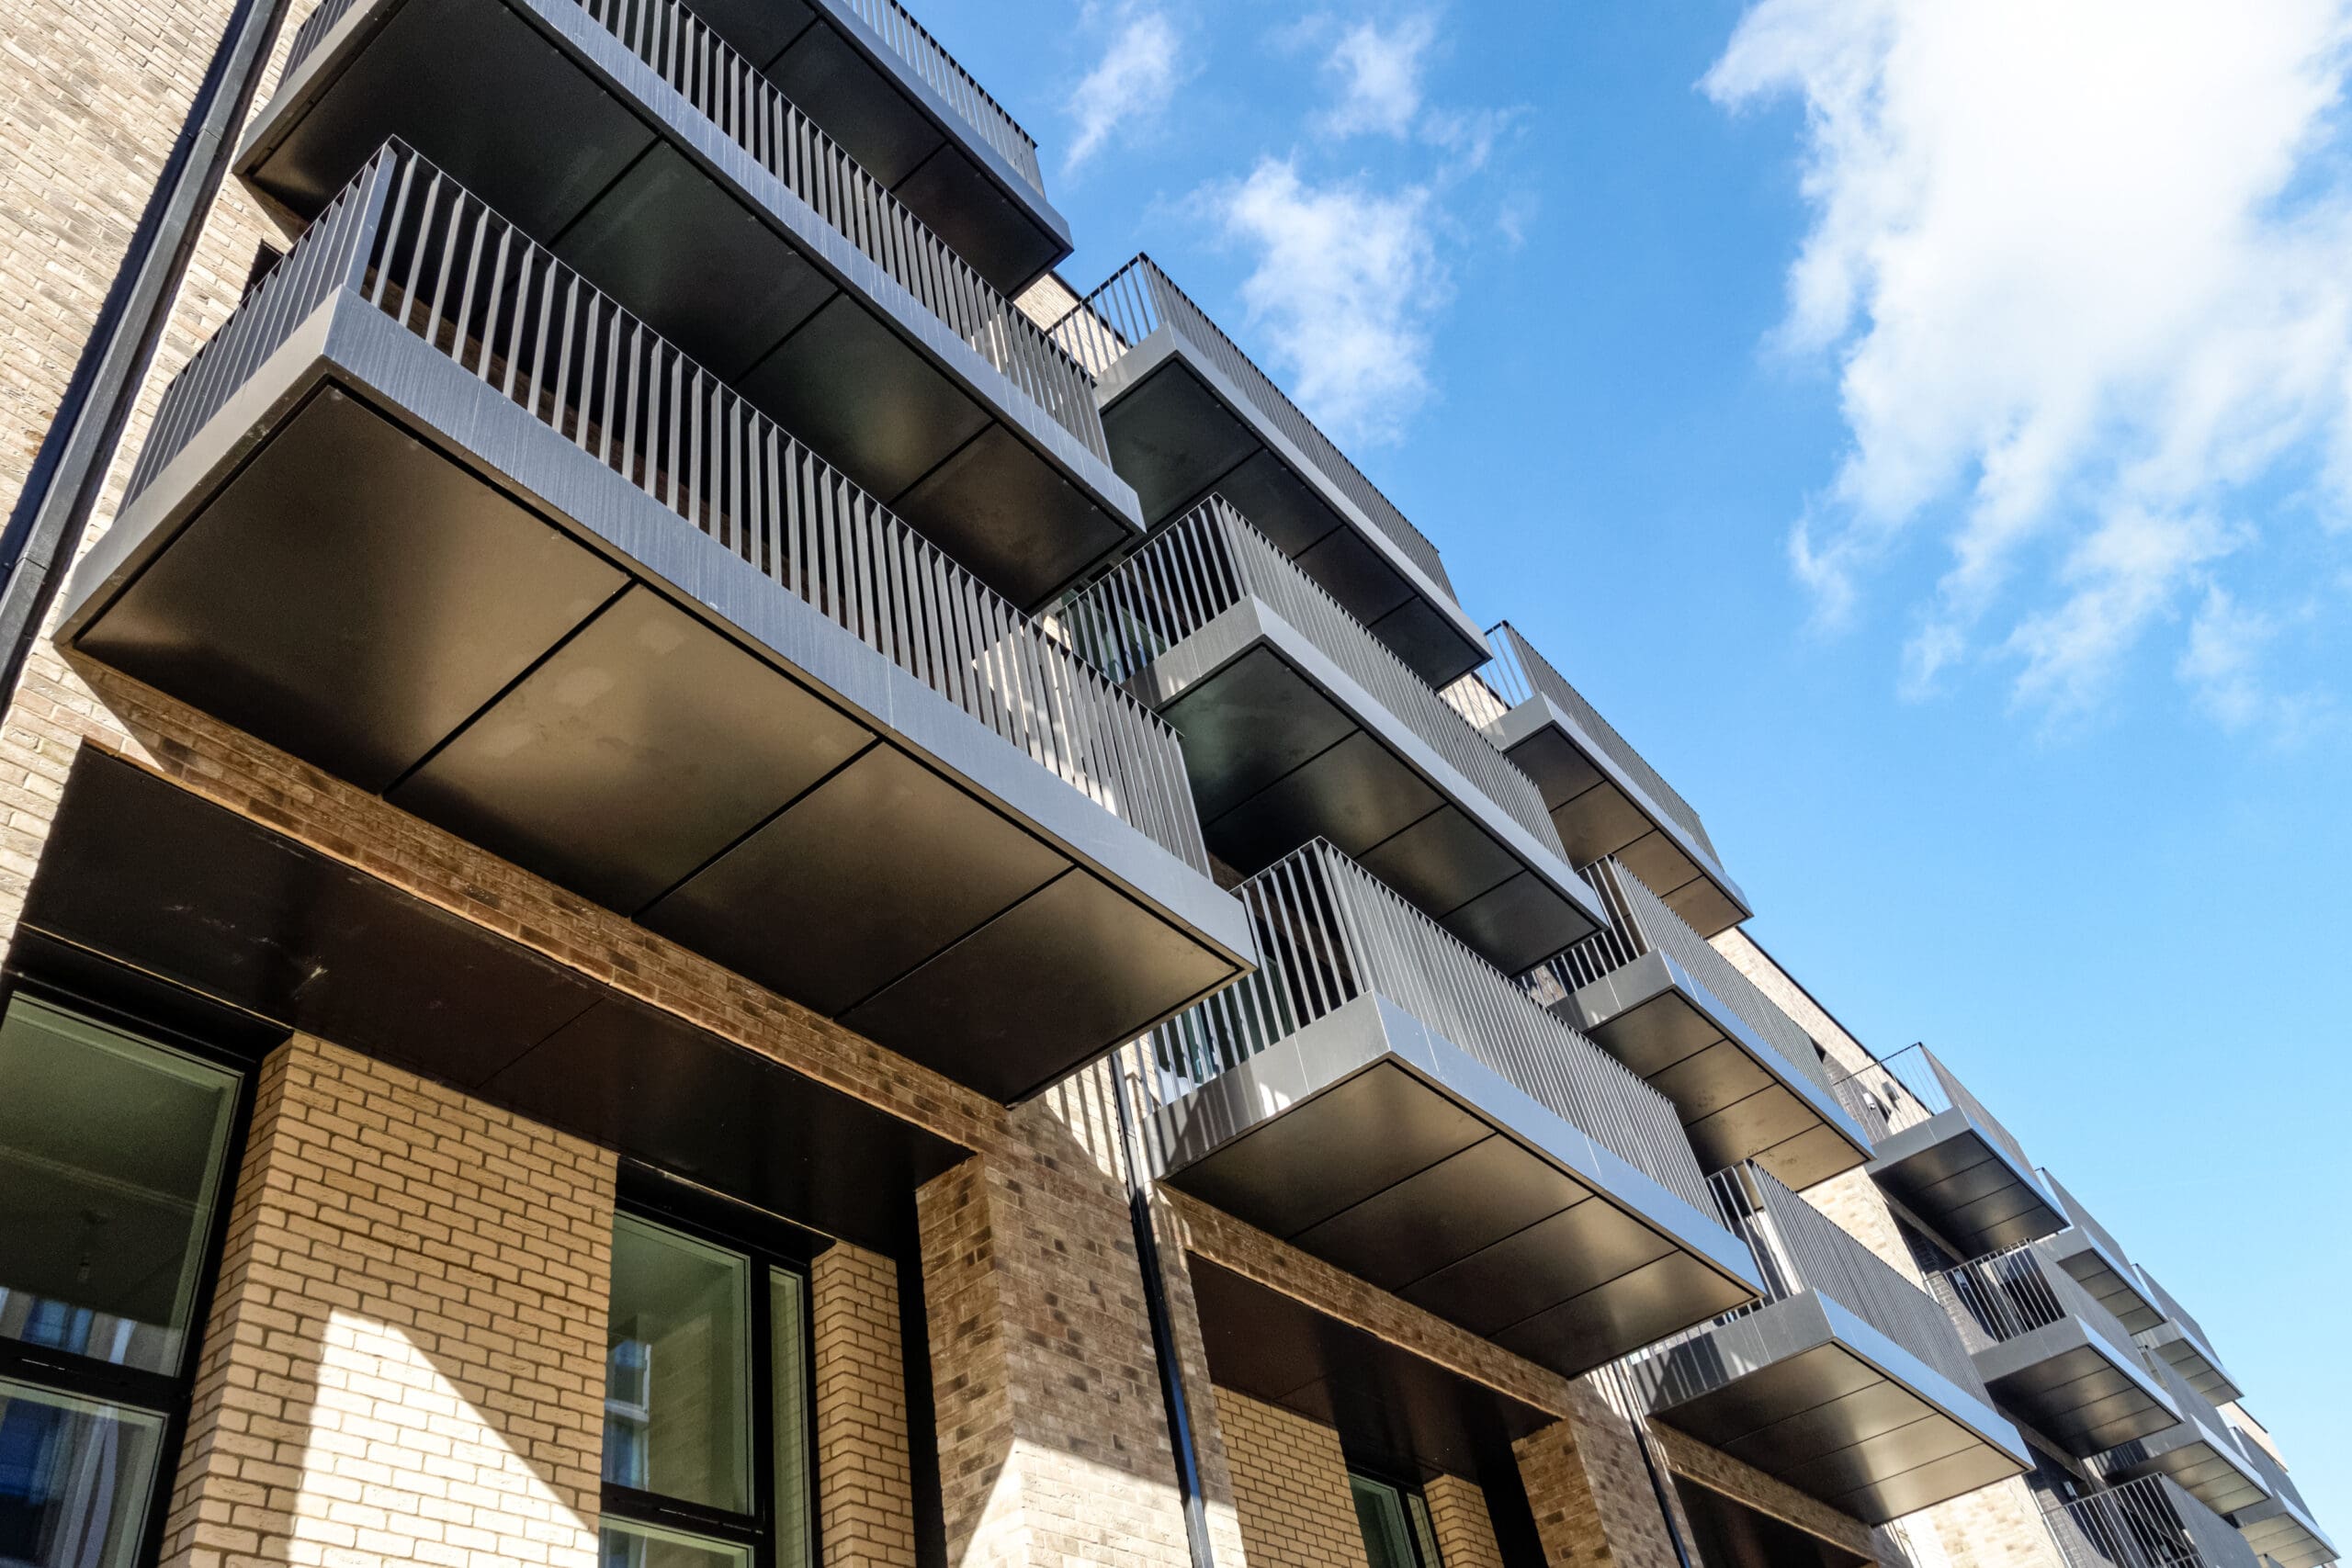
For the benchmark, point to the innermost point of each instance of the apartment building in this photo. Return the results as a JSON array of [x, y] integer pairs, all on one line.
[[701, 871]]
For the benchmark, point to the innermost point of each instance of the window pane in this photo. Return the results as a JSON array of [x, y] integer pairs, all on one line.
[[625, 1545], [1380, 1509], [110, 1153], [76, 1478], [677, 1412], [788, 1363]]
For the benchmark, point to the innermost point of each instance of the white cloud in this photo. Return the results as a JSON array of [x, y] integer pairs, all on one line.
[[1380, 77], [2225, 644], [2085, 269], [1131, 85], [1346, 282]]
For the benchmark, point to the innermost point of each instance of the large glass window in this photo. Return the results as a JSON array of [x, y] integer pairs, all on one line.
[[113, 1155], [706, 1404], [1396, 1524]]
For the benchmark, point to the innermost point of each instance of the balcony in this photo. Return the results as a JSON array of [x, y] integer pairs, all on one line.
[[1299, 723], [2280, 1527], [2144, 1523], [1943, 1156], [1379, 1097], [1846, 1381], [2052, 1357], [2181, 1340], [434, 515], [1188, 415], [685, 184], [2201, 1451], [2099, 1263], [1605, 800], [1745, 1078]]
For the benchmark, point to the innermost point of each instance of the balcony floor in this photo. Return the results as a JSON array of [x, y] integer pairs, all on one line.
[[414, 583], [653, 204], [1181, 432], [1370, 1141], [1736, 1096], [1952, 1175], [2069, 1384], [1808, 1393]]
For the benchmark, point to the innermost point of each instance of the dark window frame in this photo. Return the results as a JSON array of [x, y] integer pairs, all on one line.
[[1420, 1528]]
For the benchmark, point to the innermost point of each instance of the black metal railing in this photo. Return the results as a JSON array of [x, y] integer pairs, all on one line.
[[2008, 1294], [1329, 932], [752, 111], [1910, 1088], [406, 239], [1641, 923], [2147, 1523], [1139, 298], [1195, 567]]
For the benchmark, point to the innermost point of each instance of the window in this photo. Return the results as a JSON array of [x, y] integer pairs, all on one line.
[[1396, 1524], [706, 1403], [114, 1154]]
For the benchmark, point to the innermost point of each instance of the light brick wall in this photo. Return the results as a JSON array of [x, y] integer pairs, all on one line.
[[1290, 1487], [1999, 1527], [404, 1361], [1464, 1529], [865, 1487]]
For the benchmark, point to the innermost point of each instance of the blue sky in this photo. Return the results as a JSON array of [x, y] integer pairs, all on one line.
[[1923, 428]]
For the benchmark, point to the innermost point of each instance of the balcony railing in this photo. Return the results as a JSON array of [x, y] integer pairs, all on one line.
[[1640, 923], [2085, 1221], [2147, 1523], [2009, 1295], [1911, 1087], [411, 243], [1329, 932], [746, 106], [1519, 671], [1200, 565], [1800, 1249], [1139, 299]]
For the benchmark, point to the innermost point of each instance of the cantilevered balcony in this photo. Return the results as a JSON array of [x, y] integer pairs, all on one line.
[[1847, 1382], [2201, 1451], [2052, 1357], [2182, 1341], [1605, 800], [1299, 723], [2150, 1523], [2098, 1262], [1942, 1155], [1378, 1096], [2280, 1527], [1746, 1079], [656, 159], [1188, 415], [431, 513]]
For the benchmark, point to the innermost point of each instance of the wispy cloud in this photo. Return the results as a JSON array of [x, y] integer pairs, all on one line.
[[1346, 283], [1130, 87], [1379, 74], [2085, 272]]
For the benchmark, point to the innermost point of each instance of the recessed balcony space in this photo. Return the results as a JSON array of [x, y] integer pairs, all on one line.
[[2099, 1263], [2280, 1527], [2201, 1451], [1846, 1381], [2052, 1357], [659, 162], [1606, 801], [2150, 1523], [1299, 723], [1941, 1155], [432, 514], [1189, 416], [2183, 1343], [1746, 1079], [1379, 1097]]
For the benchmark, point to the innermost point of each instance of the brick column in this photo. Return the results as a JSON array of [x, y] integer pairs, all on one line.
[[1465, 1531], [865, 1488], [1591, 1492], [405, 1359], [1290, 1487]]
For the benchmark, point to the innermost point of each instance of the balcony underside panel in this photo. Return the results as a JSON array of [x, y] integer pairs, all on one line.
[[1369, 1142], [1179, 435], [2109, 1284], [1599, 814], [2199, 1461], [648, 200], [1809, 1393], [2191, 1358], [1278, 759], [2283, 1532], [2074, 1388], [1737, 1099], [1950, 1175], [366, 589]]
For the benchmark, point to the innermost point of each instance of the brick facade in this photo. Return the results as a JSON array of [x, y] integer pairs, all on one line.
[[864, 1481], [1290, 1485], [1465, 1531]]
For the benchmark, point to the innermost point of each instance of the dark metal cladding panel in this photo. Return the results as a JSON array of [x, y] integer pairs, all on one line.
[[1441, 1213], [1173, 441], [1533, 1271]]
